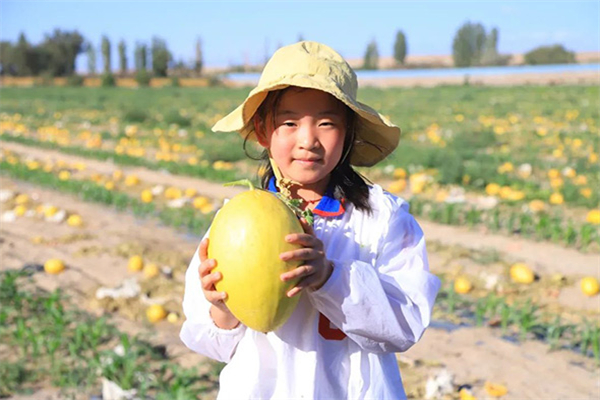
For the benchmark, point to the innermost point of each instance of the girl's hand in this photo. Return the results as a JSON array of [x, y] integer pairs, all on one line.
[[219, 312], [315, 270]]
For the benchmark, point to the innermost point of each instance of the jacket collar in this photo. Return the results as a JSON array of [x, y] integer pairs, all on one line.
[[329, 206]]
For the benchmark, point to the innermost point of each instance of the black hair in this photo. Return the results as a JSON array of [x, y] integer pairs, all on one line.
[[346, 182]]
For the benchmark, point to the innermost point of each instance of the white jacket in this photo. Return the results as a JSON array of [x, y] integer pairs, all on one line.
[[340, 341]]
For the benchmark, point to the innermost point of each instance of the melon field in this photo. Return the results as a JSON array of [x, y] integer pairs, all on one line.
[[106, 192]]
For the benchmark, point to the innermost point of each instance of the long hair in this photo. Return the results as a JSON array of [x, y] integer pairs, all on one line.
[[345, 181]]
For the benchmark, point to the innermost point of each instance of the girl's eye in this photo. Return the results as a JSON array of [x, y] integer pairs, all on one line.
[[289, 124]]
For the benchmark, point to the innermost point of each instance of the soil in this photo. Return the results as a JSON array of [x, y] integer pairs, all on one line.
[[96, 255]]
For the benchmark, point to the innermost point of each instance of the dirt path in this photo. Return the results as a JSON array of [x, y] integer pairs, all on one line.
[[529, 370], [543, 257]]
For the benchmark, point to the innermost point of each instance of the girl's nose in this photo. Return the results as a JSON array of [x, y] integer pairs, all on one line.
[[307, 137]]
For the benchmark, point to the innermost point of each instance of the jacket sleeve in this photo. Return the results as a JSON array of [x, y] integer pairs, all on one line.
[[199, 332], [385, 308]]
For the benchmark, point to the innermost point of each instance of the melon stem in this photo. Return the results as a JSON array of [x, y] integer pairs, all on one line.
[[241, 182]]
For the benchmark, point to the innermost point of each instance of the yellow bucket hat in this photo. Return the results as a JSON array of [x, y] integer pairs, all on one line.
[[317, 66]]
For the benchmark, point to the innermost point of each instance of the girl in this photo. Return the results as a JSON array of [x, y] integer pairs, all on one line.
[[365, 288]]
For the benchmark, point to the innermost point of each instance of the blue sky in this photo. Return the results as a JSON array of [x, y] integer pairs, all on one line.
[[233, 32]]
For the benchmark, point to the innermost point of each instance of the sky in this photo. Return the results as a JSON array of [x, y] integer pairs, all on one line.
[[238, 32]]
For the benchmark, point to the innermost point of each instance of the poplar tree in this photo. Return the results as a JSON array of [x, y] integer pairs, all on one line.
[[91, 56], [106, 54], [371, 59], [400, 47], [199, 58], [122, 57]]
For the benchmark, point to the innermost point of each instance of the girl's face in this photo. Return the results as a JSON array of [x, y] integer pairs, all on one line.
[[306, 139]]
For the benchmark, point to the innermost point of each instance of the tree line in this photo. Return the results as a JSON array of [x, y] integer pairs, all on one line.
[[55, 55], [473, 46]]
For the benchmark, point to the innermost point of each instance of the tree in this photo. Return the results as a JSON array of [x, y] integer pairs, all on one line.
[[138, 57], [54, 56], [400, 47], [57, 54], [555, 54], [371, 59], [21, 54], [141, 75], [25, 59], [160, 57], [468, 45], [106, 54], [91, 56], [122, 57], [493, 39], [180, 69], [6, 58], [141, 57], [490, 49], [199, 58]]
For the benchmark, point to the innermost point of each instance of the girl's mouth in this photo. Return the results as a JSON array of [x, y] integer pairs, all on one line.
[[307, 161]]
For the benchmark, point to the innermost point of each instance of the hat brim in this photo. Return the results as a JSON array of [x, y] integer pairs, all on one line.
[[376, 136]]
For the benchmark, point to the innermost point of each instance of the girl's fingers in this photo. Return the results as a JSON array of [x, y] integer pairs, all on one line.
[[303, 254], [206, 266], [208, 278], [303, 284], [203, 250], [294, 291], [304, 239], [208, 281], [303, 270], [215, 297]]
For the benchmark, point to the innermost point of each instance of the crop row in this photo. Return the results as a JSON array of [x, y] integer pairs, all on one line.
[[46, 337], [216, 171], [508, 220], [195, 220], [520, 320], [520, 182]]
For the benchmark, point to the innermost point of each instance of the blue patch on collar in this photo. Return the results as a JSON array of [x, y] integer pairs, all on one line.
[[329, 206]]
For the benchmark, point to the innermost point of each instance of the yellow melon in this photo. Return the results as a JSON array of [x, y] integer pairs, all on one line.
[[521, 273], [151, 270], [246, 238], [135, 264], [54, 266], [589, 286], [156, 313], [462, 285]]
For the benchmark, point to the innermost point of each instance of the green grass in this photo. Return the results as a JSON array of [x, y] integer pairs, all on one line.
[[47, 340]]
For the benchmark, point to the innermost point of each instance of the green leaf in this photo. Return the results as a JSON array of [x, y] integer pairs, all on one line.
[[294, 205]]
